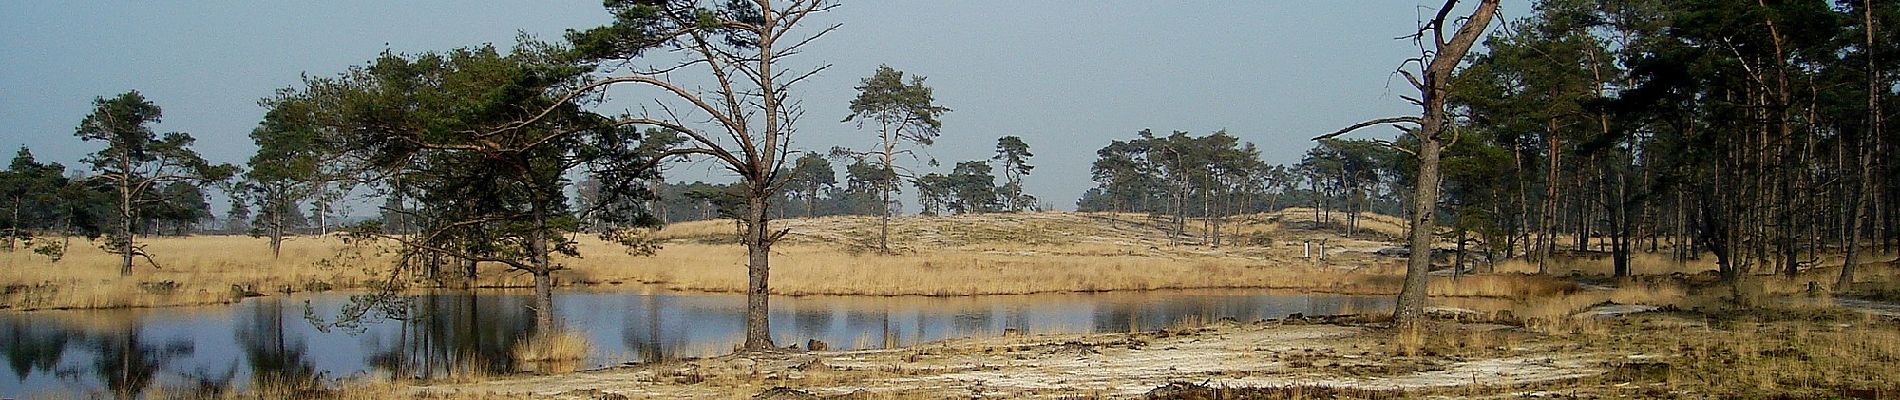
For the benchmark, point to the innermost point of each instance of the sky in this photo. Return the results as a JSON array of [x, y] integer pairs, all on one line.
[[1067, 76]]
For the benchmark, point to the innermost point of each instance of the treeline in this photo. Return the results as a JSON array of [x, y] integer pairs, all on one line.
[[1182, 178], [146, 184], [811, 188], [141, 183]]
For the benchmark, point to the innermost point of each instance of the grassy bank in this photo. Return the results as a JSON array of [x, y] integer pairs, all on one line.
[[962, 255], [190, 271], [968, 255]]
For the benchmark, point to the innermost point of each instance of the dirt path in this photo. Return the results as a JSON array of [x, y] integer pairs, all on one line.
[[1113, 365]]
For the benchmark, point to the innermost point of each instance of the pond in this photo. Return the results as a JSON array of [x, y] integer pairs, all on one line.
[[270, 339]]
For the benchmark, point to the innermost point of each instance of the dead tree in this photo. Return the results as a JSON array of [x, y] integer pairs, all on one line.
[[1439, 56]]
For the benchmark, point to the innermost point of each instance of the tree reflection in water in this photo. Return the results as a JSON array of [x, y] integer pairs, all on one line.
[[33, 348], [263, 345], [126, 362], [278, 358], [446, 335]]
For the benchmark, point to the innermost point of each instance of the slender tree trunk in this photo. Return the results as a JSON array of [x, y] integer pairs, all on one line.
[[543, 272], [276, 227], [125, 215], [1546, 230], [890, 136], [13, 225], [323, 208], [884, 219], [1458, 258], [1863, 177]]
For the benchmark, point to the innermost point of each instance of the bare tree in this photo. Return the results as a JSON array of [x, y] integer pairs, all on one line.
[[745, 121], [1436, 64]]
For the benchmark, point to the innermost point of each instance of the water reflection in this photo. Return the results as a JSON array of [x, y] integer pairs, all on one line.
[[127, 360], [276, 354], [448, 334], [32, 348], [267, 342]]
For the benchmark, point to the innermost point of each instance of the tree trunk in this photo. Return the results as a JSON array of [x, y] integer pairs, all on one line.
[[1411, 303], [543, 272], [884, 217], [1864, 175], [13, 225], [323, 208], [1458, 258], [758, 240], [1547, 227], [125, 215], [276, 228]]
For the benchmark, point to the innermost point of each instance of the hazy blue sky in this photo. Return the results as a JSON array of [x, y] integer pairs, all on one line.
[[1067, 76]]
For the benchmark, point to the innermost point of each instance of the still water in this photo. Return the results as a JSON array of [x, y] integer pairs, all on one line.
[[269, 339]]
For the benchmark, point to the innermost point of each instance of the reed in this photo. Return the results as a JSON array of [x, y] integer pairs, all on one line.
[[551, 352]]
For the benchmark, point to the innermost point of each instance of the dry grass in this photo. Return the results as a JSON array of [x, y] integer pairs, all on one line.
[[1515, 286], [1640, 264], [551, 352], [962, 255], [1794, 351], [1453, 339], [1390, 227], [805, 269], [191, 270], [1796, 358], [1558, 315]]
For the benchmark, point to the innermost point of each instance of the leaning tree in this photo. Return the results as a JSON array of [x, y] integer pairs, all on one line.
[[1439, 56]]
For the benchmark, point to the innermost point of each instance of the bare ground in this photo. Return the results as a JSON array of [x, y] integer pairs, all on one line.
[[1262, 354]]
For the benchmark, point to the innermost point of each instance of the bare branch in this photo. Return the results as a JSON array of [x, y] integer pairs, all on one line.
[[1409, 77], [1381, 121]]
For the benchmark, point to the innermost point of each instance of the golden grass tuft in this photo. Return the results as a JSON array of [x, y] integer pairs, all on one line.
[[551, 352], [1558, 314]]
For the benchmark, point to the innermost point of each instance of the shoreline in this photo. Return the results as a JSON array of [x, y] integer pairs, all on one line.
[[942, 257], [648, 288], [1644, 354]]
